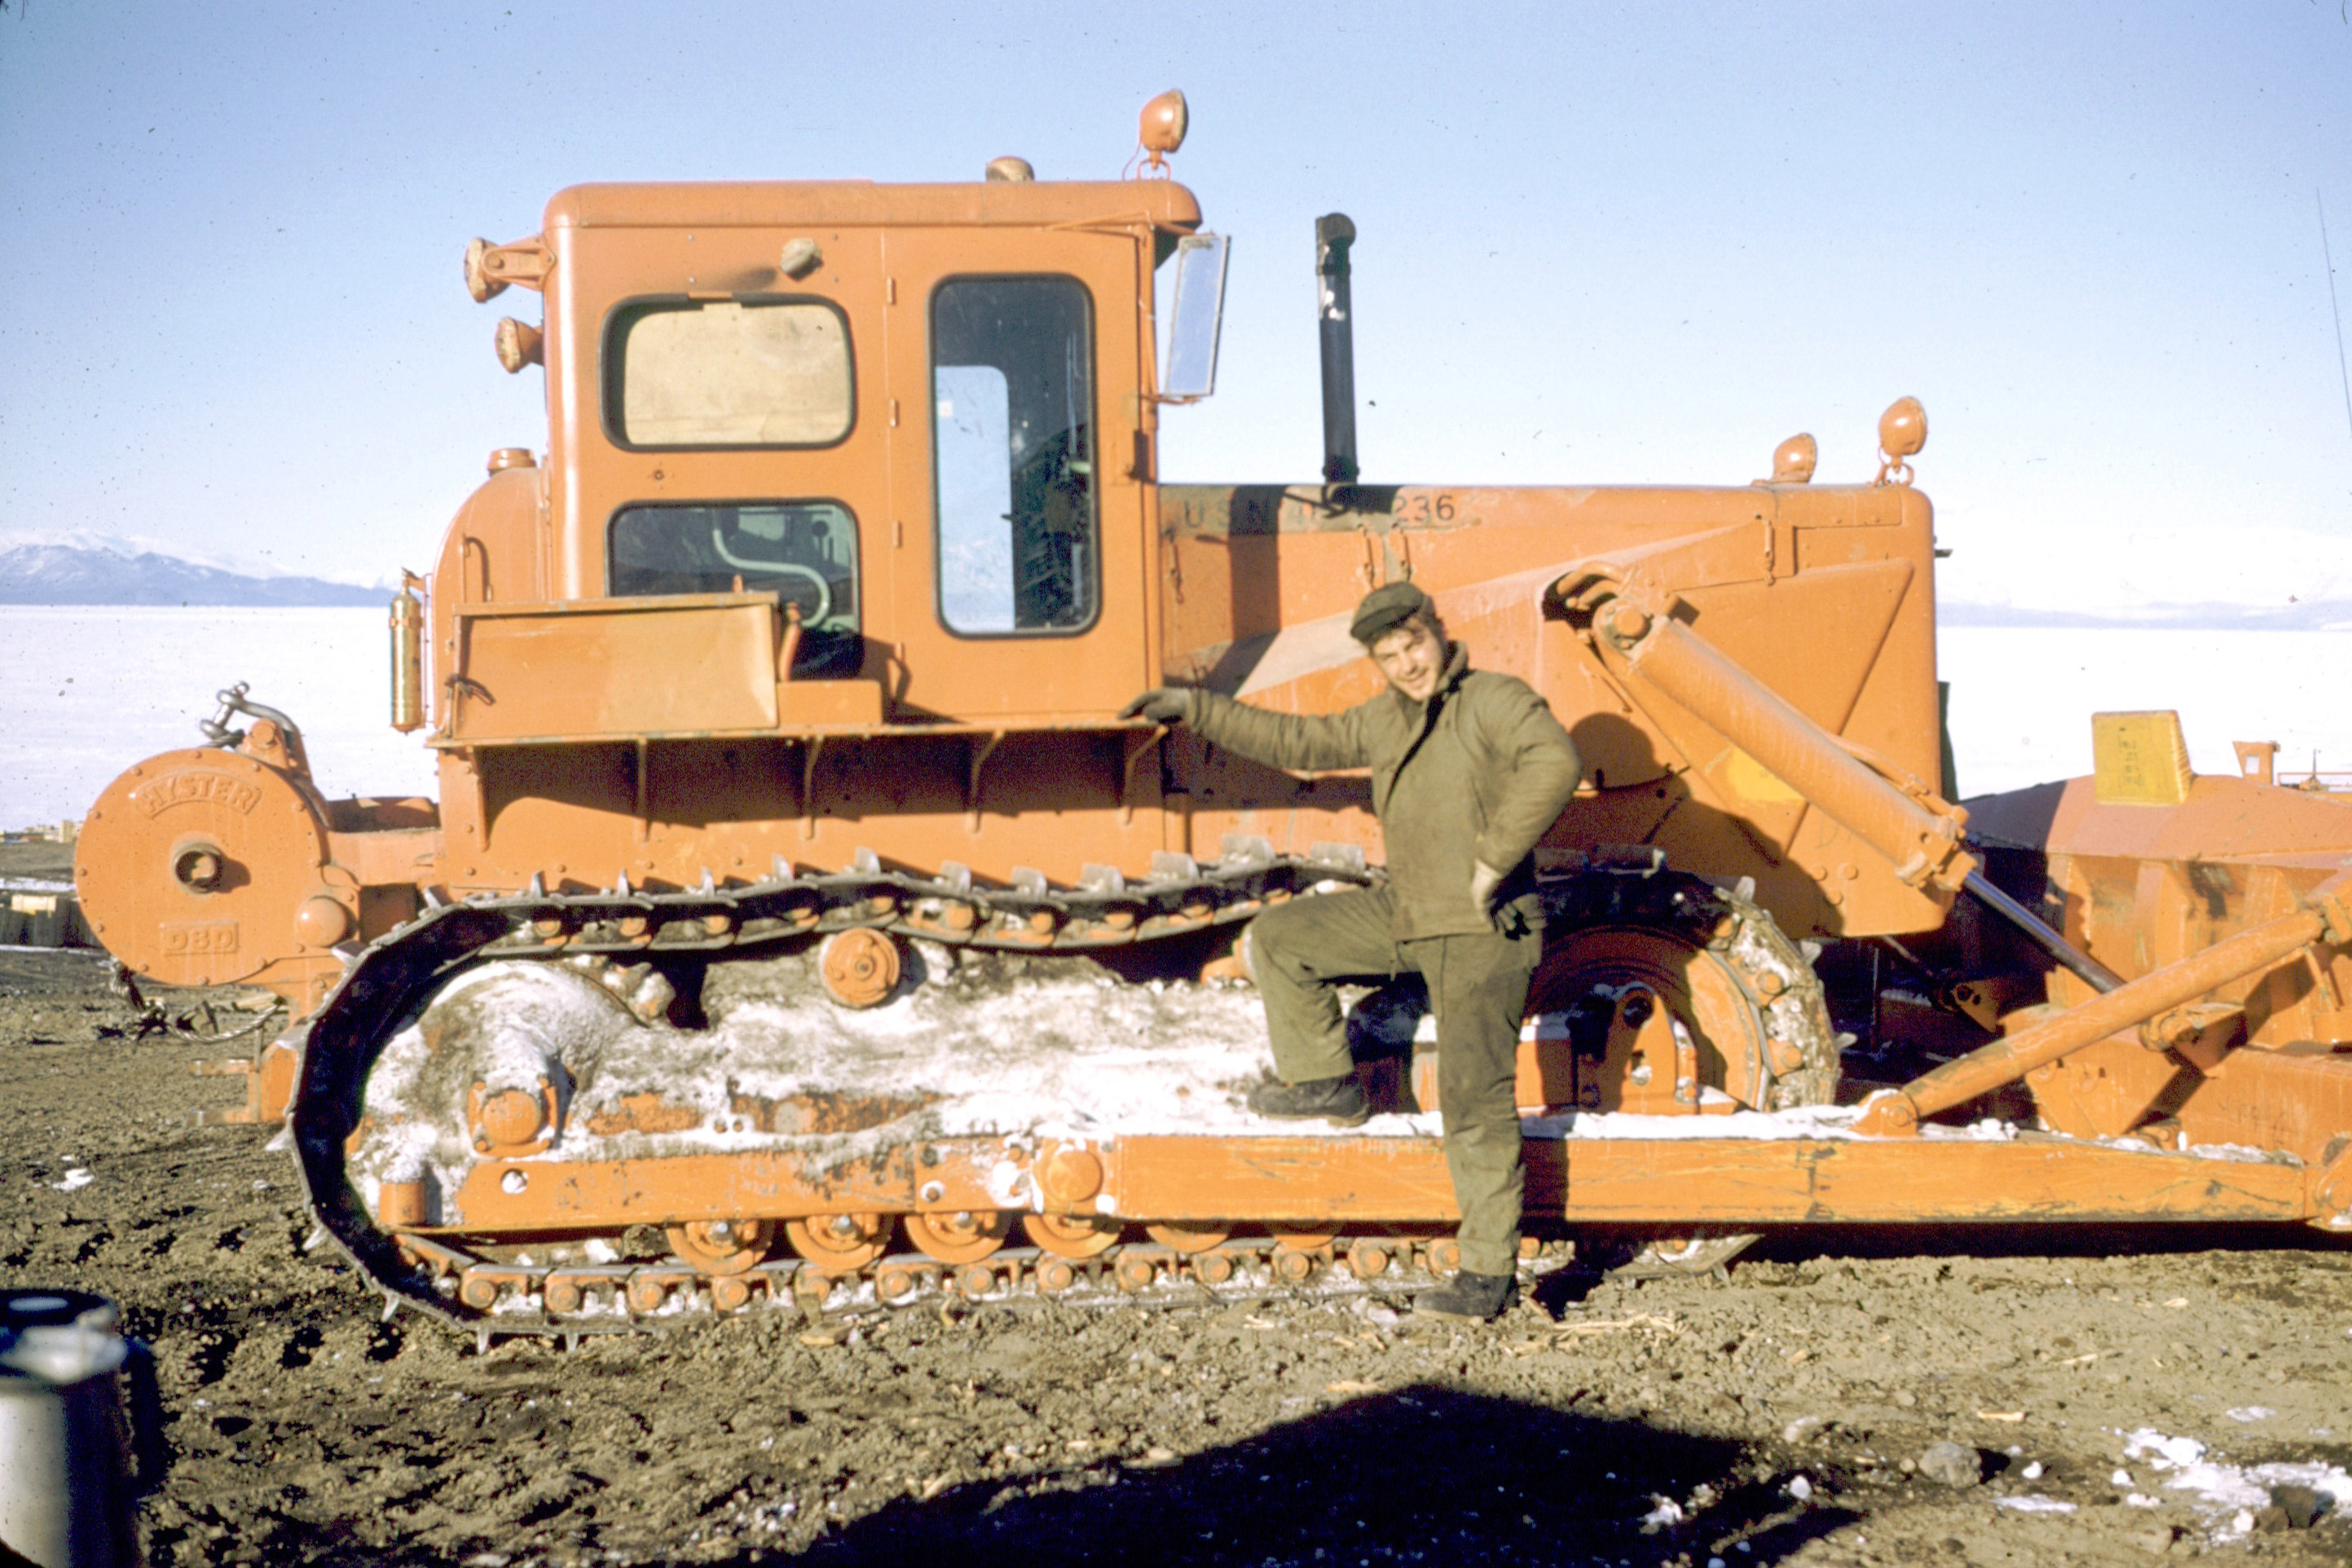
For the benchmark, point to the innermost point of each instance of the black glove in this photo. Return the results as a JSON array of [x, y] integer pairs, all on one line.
[[1161, 705]]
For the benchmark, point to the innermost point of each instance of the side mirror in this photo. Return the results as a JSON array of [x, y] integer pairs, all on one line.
[[1195, 317]]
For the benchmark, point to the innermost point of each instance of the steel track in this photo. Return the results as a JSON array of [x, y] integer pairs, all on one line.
[[389, 980]]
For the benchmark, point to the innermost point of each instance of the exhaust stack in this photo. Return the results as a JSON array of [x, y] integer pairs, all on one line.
[[1334, 234]]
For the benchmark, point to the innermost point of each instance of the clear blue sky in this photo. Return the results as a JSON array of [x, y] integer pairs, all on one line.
[[1599, 244]]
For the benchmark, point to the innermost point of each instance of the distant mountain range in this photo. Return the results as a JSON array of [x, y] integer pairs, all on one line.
[[97, 570]]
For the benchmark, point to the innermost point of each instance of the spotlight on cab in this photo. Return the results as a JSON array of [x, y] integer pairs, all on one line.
[[1161, 129], [1903, 429]]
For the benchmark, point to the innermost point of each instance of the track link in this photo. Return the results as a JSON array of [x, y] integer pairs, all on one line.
[[493, 1299]]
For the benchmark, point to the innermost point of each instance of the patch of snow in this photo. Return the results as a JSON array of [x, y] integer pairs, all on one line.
[[2244, 1415], [2243, 1153], [2165, 1453], [1803, 1122], [2032, 1503], [76, 1179], [976, 1048], [2217, 1490]]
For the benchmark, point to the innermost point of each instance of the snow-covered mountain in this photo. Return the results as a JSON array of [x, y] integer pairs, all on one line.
[[96, 569], [104, 569]]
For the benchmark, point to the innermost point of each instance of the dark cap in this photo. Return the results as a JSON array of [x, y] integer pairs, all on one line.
[[1387, 607]]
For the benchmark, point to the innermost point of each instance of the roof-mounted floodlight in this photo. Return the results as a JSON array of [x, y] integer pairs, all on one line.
[[1161, 129], [1902, 432]]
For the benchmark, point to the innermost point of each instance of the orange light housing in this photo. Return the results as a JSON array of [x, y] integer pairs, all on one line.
[[1162, 129]]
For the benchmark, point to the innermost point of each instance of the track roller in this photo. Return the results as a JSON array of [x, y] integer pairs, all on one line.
[[965, 1236], [722, 1246], [839, 1243], [1071, 1235], [1189, 1237]]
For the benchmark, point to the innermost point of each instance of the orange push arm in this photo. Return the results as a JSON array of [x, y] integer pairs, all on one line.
[[1668, 657], [1900, 1111]]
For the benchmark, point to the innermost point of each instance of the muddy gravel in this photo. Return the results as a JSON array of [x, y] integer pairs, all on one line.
[[1975, 1398]]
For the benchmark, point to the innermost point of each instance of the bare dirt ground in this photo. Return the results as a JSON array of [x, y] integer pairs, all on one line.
[[1776, 1413]]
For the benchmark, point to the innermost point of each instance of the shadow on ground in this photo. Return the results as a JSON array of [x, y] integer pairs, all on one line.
[[1805, 1244], [1420, 1474]]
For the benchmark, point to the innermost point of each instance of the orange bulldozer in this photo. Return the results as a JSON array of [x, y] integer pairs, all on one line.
[[799, 923]]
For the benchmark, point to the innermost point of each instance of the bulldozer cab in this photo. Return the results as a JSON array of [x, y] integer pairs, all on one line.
[[910, 425]]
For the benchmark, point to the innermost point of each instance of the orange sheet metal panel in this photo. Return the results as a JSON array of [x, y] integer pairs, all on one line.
[[1862, 1181], [2297, 1097], [1402, 1178], [1823, 596], [1694, 1180], [748, 1185], [616, 667]]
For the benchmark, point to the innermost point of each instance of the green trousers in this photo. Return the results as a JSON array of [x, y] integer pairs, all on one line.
[[1301, 951]]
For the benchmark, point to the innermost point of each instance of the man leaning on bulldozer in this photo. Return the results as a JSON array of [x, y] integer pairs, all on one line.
[[1468, 770]]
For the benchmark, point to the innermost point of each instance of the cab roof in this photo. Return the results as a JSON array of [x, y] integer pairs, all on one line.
[[772, 203]]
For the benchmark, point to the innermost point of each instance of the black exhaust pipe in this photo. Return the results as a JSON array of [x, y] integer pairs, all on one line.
[[1333, 234]]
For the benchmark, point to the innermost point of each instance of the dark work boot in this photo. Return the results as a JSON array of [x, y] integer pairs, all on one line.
[[1479, 1297], [1338, 1100]]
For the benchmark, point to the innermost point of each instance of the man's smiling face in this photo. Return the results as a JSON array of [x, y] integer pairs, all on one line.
[[1412, 657]]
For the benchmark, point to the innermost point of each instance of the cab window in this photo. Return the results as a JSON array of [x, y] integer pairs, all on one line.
[[728, 373], [803, 552], [1013, 456]]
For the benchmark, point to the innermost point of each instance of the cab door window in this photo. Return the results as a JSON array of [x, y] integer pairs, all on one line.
[[1013, 456]]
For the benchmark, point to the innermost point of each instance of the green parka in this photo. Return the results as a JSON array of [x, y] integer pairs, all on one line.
[[1480, 772]]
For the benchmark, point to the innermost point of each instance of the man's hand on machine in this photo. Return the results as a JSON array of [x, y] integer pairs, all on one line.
[[1161, 705], [1484, 880]]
